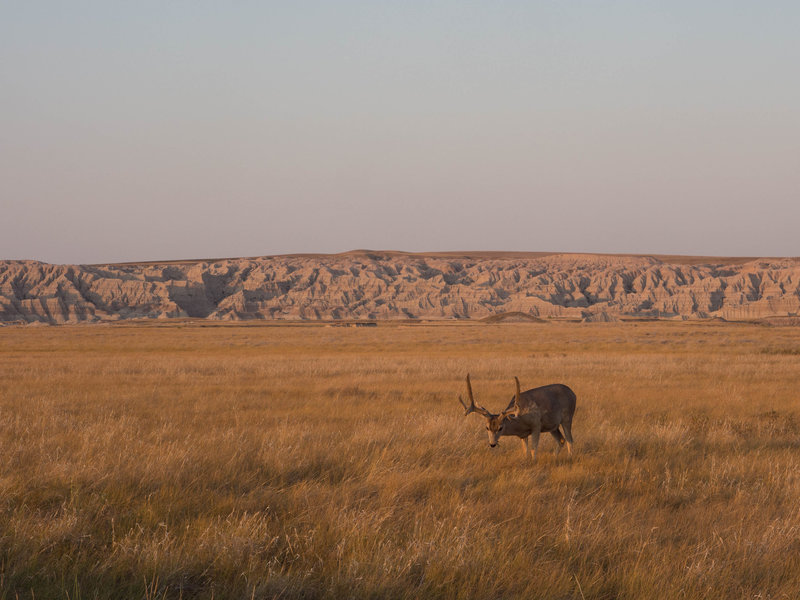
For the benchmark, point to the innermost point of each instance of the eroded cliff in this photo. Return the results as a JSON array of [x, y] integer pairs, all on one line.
[[366, 285]]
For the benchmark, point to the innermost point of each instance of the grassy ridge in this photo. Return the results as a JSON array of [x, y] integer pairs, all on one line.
[[238, 462]]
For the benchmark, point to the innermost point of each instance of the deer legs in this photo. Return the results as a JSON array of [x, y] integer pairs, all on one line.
[[527, 451], [533, 443], [530, 445], [563, 439], [567, 425]]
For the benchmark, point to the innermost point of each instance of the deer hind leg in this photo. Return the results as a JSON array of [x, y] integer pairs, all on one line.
[[567, 425], [559, 438]]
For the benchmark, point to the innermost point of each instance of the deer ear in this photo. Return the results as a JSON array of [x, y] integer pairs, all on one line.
[[507, 413]]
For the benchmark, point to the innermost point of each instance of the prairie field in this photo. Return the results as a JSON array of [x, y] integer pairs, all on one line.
[[187, 460]]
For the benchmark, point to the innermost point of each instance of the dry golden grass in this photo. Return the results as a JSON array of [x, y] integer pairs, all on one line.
[[264, 461]]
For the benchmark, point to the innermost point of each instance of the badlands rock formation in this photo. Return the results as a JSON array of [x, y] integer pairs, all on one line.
[[392, 285]]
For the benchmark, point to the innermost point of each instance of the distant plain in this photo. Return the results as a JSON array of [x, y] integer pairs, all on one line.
[[169, 460]]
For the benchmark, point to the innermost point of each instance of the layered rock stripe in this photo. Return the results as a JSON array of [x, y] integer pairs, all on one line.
[[401, 286]]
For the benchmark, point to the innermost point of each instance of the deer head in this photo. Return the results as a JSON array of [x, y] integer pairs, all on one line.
[[494, 423]]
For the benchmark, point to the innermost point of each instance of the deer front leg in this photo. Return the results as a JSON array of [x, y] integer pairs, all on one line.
[[526, 447], [534, 443]]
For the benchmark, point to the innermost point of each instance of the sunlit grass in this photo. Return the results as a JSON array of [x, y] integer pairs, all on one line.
[[265, 461]]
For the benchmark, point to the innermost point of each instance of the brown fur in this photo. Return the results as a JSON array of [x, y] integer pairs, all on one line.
[[547, 409]]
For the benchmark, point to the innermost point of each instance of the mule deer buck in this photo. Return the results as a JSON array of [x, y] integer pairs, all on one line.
[[541, 409]]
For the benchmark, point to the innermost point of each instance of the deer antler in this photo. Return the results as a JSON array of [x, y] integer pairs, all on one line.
[[516, 408], [472, 406]]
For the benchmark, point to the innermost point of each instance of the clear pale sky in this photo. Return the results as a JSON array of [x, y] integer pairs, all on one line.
[[164, 130]]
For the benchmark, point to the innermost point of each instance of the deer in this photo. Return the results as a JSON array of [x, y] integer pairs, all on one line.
[[530, 413]]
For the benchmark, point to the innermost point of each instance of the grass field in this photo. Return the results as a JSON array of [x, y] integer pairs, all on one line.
[[169, 461]]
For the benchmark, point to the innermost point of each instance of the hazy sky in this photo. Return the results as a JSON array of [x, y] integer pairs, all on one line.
[[156, 130]]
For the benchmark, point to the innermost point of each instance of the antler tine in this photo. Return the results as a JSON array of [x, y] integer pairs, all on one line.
[[472, 406], [467, 409], [517, 398], [515, 408], [469, 391]]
